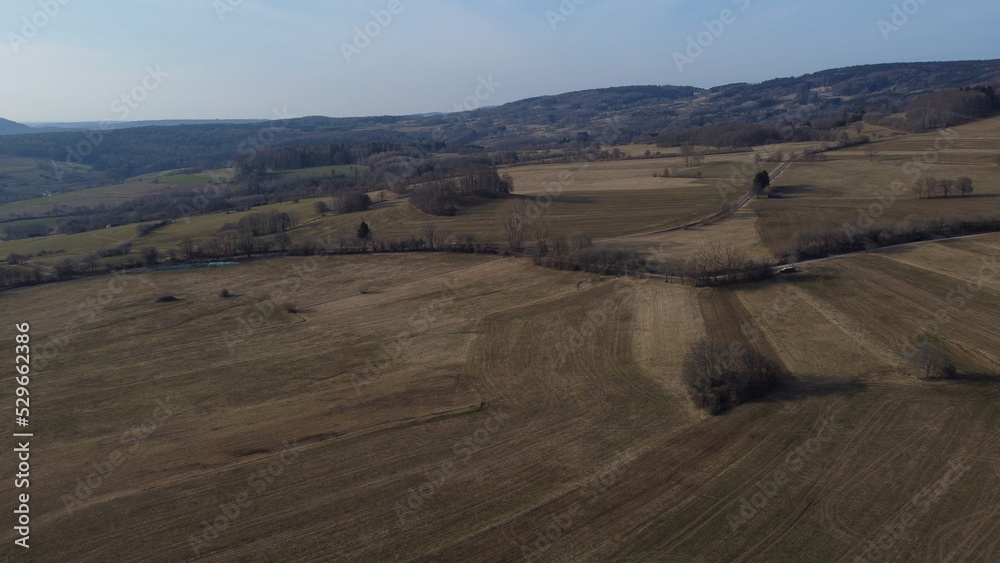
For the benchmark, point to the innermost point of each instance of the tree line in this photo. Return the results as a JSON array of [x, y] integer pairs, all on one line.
[[830, 239], [929, 186], [445, 197]]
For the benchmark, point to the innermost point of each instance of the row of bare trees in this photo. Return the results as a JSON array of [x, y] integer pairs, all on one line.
[[444, 196], [266, 222], [830, 238], [718, 265], [929, 186], [692, 156]]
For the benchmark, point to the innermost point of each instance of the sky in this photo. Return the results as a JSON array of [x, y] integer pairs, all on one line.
[[104, 60]]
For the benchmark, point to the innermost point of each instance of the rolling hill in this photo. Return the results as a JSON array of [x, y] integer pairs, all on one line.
[[633, 112], [8, 127]]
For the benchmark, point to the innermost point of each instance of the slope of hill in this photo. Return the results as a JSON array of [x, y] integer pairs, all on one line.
[[8, 127], [644, 110]]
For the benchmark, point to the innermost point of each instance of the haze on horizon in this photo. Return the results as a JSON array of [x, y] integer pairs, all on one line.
[[236, 59]]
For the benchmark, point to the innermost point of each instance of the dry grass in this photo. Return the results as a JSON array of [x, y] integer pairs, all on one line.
[[584, 370], [107, 195], [599, 214], [595, 435], [738, 231]]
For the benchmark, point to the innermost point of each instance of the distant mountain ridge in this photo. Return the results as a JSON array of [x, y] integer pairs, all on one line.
[[55, 127], [642, 111], [8, 127], [603, 116]]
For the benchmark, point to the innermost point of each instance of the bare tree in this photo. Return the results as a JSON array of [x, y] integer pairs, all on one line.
[[965, 185], [931, 364], [927, 186], [560, 245], [698, 268], [282, 241], [322, 208], [92, 261], [580, 241], [692, 156], [150, 255], [871, 151], [441, 239], [542, 231], [514, 219], [946, 187], [246, 243], [186, 248], [541, 228], [428, 233]]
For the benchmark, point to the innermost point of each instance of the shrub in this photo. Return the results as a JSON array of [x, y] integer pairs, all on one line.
[[225, 294], [436, 198], [718, 375], [351, 202]]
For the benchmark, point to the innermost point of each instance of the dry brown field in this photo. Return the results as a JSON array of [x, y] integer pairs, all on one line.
[[464, 407]]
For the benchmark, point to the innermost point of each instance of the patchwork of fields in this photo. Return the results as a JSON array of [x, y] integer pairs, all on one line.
[[459, 407], [463, 406]]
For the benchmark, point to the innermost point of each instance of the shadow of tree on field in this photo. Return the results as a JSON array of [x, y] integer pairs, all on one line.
[[794, 389], [793, 190], [808, 277], [974, 386]]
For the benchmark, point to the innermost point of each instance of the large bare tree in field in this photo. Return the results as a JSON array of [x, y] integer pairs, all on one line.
[[514, 219]]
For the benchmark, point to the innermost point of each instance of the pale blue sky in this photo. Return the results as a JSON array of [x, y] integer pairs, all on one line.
[[251, 58]]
